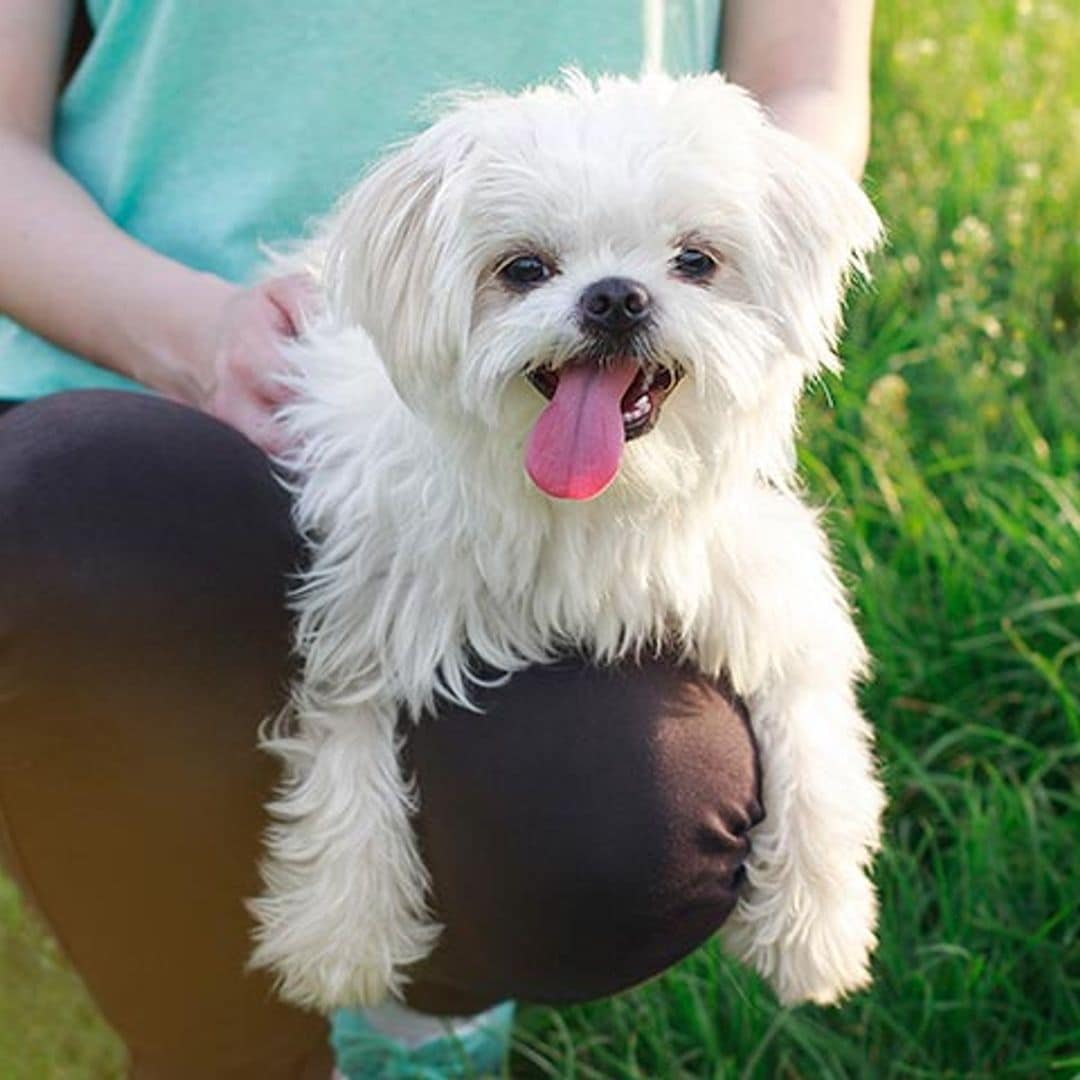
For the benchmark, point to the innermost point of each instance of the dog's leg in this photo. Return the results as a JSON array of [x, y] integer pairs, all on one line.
[[344, 908], [808, 921]]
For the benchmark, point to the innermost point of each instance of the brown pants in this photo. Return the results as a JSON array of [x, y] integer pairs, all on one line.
[[583, 833]]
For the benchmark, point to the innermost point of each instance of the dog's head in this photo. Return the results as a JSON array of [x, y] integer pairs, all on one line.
[[607, 279]]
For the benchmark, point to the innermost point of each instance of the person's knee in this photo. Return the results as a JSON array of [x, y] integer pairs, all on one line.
[[130, 525], [102, 478], [589, 830]]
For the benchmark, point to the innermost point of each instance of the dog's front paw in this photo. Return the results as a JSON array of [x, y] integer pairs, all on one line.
[[325, 953], [344, 910], [811, 941]]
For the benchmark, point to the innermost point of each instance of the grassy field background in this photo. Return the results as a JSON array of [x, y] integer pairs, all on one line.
[[948, 458]]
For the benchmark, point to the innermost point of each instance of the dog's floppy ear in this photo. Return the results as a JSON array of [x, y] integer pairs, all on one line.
[[393, 254], [820, 227]]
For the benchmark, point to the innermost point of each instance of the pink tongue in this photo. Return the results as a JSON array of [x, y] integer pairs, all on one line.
[[575, 446]]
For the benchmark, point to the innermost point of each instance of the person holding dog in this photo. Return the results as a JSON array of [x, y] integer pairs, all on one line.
[[143, 621]]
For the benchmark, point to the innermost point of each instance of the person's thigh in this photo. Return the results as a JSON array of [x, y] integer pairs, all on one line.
[[143, 636], [583, 832]]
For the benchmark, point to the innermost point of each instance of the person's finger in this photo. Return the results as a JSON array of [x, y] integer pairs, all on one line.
[[267, 430], [272, 438], [261, 369], [256, 420], [294, 296], [276, 390]]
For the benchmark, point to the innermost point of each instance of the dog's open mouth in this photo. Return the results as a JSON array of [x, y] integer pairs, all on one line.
[[576, 446], [639, 406]]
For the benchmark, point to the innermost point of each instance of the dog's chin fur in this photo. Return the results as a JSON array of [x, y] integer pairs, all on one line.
[[433, 548]]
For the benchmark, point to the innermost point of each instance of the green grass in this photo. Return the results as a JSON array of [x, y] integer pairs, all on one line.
[[49, 1029], [948, 457]]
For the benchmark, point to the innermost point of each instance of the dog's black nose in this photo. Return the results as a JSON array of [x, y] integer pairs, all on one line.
[[614, 305]]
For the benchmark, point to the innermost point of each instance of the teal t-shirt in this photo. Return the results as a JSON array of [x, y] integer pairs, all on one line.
[[206, 128]]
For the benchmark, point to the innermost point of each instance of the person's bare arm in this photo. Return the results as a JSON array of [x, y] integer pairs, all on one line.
[[808, 63], [69, 274]]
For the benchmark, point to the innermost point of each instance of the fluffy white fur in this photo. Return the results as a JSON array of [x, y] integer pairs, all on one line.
[[432, 547]]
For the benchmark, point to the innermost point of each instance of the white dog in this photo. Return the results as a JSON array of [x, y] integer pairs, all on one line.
[[552, 400]]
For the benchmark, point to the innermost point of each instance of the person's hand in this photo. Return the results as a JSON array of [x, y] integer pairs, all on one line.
[[244, 360]]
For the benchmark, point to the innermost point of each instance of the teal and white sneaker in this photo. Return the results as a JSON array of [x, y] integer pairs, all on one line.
[[391, 1042]]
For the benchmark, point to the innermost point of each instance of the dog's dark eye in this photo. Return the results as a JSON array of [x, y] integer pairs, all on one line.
[[524, 271], [693, 263]]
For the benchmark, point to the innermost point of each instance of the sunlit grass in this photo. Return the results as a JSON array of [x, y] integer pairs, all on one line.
[[948, 459]]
